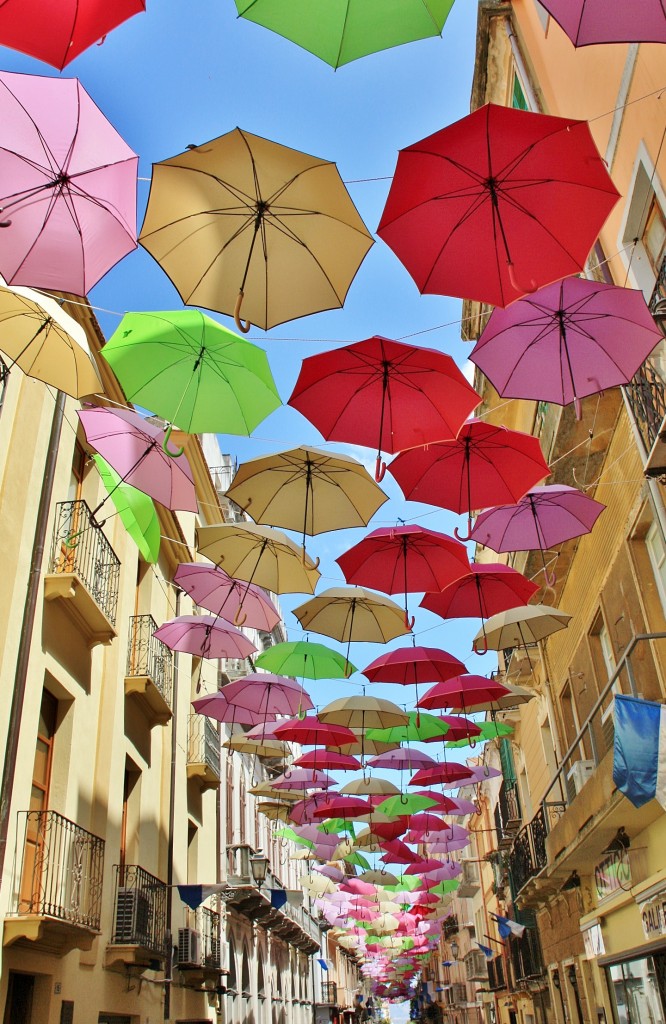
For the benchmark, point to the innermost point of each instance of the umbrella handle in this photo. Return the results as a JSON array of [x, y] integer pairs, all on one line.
[[551, 578], [176, 453], [304, 555], [578, 409], [380, 470], [459, 535], [244, 327], [238, 620], [481, 650], [514, 283], [94, 522], [409, 621]]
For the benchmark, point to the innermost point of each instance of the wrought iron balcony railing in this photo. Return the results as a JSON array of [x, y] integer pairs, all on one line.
[[329, 992], [58, 870], [211, 939], [526, 957], [80, 547], [646, 394], [204, 744], [148, 656], [139, 917], [528, 854], [496, 977]]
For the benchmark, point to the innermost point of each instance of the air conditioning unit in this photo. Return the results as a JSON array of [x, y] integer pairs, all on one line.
[[476, 966], [578, 775], [132, 925], [189, 948]]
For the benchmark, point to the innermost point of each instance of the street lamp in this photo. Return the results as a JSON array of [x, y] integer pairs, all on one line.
[[455, 949], [259, 867]]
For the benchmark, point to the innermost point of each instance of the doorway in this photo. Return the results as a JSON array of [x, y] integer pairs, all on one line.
[[20, 992]]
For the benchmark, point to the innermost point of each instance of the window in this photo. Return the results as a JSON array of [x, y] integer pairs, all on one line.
[[518, 98], [656, 549], [654, 235], [645, 224]]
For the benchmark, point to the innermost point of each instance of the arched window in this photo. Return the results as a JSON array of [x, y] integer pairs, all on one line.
[[246, 989], [233, 1016], [261, 991]]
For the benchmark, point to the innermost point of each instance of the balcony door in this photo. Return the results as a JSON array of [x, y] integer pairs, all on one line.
[[34, 853]]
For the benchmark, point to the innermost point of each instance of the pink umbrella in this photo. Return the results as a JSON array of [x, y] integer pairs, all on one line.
[[302, 811], [303, 778], [462, 806], [204, 637], [263, 691], [483, 772], [446, 804], [444, 834], [216, 705], [241, 603], [460, 728], [566, 341], [545, 517], [610, 21], [402, 759], [445, 871], [68, 186], [265, 730], [358, 886], [444, 846], [134, 448], [328, 760]]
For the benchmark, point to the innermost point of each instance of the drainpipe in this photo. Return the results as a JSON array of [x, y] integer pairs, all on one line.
[[525, 79], [168, 976], [27, 625]]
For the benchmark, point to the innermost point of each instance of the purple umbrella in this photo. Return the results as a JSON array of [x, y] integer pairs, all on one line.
[[302, 811], [610, 21], [216, 705], [133, 447], [217, 592], [264, 692], [568, 340], [401, 759], [68, 186], [303, 778], [545, 517], [203, 636]]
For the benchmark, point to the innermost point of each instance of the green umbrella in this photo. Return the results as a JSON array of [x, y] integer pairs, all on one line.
[[136, 510], [192, 371], [359, 860], [340, 31], [305, 660], [420, 727], [446, 886], [405, 803], [338, 825], [470, 741], [405, 883], [490, 730]]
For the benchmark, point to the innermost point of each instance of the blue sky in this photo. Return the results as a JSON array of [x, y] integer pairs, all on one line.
[[184, 73]]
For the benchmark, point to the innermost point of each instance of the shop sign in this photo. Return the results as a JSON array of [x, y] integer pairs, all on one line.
[[594, 941], [612, 874], [653, 916]]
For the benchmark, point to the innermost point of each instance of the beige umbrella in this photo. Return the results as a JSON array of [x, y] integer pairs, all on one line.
[[348, 941], [371, 786], [244, 216], [267, 792], [46, 343], [368, 840], [379, 878], [353, 613], [308, 490], [519, 627], [365, 746], [384, 924], [517, 695], [342, 850], [363, 712], [275, 812], [259, 554], [317, 884], [260, 748]]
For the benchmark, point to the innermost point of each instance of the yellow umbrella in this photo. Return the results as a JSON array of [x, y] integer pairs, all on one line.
[[259, 554], [385, 923], [308, 490], [352, 613], [363, 712], [244, 216], [46, 343]]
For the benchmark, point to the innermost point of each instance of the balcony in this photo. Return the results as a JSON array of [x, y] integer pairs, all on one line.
[[329, 993], [646, 394], [469, 880], [56, 884], [149, 672], [526, 958], [139, 918], [203, 752], [451, 927], [476, 968], [508, 816], [198, 952], [496, 977], [84, 573]]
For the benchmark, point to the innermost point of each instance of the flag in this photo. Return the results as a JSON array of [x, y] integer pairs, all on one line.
[[194, 895], [295, 897], [323, 965], [507, 927], [639, 753], [278, 898], [487, 951]]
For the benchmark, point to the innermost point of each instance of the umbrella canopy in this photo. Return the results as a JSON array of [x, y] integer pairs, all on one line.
[[204, 636], [365, 746], [68, 192], [57, 32], [308, 490], [352, 613], [371, 786], [383, 394], [133, 447], [46, 343], [259, 554], [571, 339], [328, 760], [461, 692], [526, 193], [216, 705], [305, 659], [413, 665], [136, 510], [265, 790], [402, 759], [419, 728], [192, 371], [269, 749], [484, 466], [447, 772], [405, 559], [312, 730], [405, 803], [490, 587], [363, 712], [244, 217], [217, 592], [521, 626], [302, 778], [345, 30], [513, 697], [459, 729], [544, 517], [347, 807], [273, 811], [261, 691], [609, 21]]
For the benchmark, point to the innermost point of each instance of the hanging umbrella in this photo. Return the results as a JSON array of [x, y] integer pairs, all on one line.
[[462, 691], [301, 812], [46, 343], [403, 759], [366, 747], [204, 636], [363, 712], [136, 510], [482, 772], [244, 217], [68, 192], [347, 807], [192, 371], [240, 603], [308, 490], [526, 194], [274, 812], [419, 728], [405, 803], [413, 665], [259, 554], [264, 692], [490, 587], [569, 340], [313, 730], [133, 448], [328, 760], [544, 517], [55, 31], [513, 697], [383, 878], [352, 613], [263, 730], [300, 778], [447, 772], [383, 394], [348, 29], [405, 559], [306, 660], [459, 728], [372, 786], [269, 749], [609, 21], [446, 804], [521, 626], [484, 466], [216, 705], [493, 730], [265, 790]]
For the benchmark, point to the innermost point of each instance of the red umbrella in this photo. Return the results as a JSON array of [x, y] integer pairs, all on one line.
[[445, 804], [405, 560], [397, 852], [57, 31], [328, 760], [310, 730], [459, 729], [484, 466], [346, 807], [498, 204], [460, 692], [383, 394], [412, 665], [448, 771], [302, 811]]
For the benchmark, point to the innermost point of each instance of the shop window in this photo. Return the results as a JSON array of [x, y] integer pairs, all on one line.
[[635, 992]]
